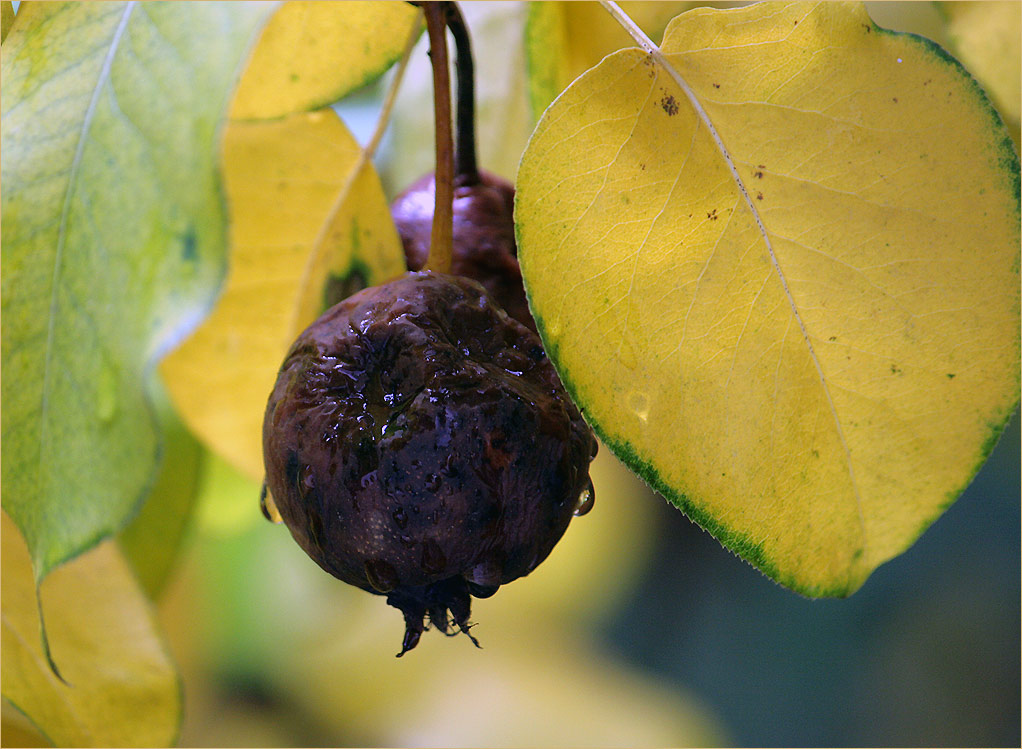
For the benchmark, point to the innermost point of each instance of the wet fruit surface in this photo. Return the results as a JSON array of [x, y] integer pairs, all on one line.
[[484, 236], [419, 444]]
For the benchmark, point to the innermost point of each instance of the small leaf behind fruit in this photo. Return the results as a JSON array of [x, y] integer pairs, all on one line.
[[812, 344], [564, 39], [122, 687], [282, 178], [311, 54], [113, 244], [6, 18]]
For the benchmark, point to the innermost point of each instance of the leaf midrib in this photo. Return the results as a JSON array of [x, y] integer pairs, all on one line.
[[102, 78], [704, 117]]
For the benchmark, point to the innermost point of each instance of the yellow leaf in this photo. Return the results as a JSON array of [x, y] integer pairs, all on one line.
[[122, 687], [312, 54], [282, 179], [811, 354], [564, 39], [987, 36]]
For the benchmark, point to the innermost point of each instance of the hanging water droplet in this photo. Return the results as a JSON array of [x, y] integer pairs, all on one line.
[[586, 500], [268, 507]]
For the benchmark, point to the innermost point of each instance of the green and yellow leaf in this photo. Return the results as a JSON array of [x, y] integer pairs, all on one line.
[[805, 335], [284, 178], [312, 54], [113, 244], [122, 689]]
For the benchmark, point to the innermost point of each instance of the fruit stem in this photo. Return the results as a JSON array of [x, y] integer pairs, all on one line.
[[439, 258], [465, 169]]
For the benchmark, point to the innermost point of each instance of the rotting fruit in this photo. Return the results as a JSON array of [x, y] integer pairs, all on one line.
[[419, 444], [484, 235]]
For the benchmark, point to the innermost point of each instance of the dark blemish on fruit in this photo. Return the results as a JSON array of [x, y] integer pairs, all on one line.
[[190, 246], [670, 105], [712, 215]]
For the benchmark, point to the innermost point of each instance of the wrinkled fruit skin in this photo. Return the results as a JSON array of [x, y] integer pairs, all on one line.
[[484, 237], [419, 444]]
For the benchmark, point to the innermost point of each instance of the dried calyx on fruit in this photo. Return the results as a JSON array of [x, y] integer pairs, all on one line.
[[419, 444]]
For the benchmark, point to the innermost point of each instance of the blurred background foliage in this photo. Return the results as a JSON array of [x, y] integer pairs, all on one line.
[[640, 629]]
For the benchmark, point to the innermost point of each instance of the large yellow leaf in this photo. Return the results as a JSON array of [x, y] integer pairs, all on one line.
[[122, 688], [807, 334], [283, 178], [313, 53]]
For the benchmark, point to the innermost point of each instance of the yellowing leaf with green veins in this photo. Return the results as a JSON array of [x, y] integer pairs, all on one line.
[[283, 178], [113, 244], [988, 38], [564, 39], [312, 54], [805, 335], [122, 689]]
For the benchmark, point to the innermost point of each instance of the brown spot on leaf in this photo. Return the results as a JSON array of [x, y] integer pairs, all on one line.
[[759, 196], [716, 85], [670, 105], [758, 174], [712, 215]]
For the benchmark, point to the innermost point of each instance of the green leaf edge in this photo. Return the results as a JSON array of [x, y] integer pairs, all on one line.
[[740, 543]]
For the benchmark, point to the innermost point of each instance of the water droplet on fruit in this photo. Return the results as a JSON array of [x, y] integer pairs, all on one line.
[[585, 500], [268, 507], [381, 575], [639, 404]]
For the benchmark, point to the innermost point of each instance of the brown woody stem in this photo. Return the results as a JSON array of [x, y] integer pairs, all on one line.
[[439, 258], [465, 169]]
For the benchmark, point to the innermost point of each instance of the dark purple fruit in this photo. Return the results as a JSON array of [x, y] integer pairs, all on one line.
[[419, 444], [484, 237]]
